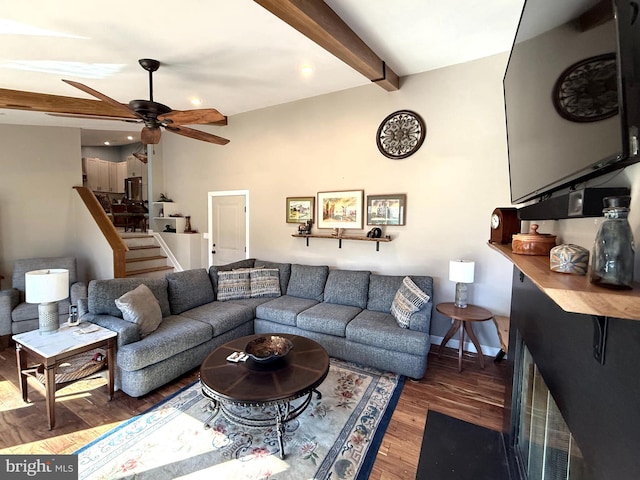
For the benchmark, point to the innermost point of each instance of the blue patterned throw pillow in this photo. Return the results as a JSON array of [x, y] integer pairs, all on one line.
[[408, 300]]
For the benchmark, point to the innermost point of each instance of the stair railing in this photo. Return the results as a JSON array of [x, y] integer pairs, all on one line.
[[108, 230]]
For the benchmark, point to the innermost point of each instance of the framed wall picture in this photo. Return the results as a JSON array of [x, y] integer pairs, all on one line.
[[386, 209], [300, 209], [340, 209]]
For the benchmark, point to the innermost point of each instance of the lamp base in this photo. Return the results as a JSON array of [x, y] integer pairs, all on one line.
[[48, 320], [461, 295]]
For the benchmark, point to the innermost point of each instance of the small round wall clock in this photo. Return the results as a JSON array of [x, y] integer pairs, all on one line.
[[587, 91], [401, 134]]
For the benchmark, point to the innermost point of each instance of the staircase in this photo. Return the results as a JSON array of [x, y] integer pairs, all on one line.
[[145, 257]]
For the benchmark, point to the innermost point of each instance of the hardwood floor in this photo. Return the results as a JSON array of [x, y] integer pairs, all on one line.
[[83, 412]]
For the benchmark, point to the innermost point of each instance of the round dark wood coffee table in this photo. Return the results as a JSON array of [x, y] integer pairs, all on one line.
[[254, 384]]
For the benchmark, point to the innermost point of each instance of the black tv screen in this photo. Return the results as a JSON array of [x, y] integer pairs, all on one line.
[[567, 87]]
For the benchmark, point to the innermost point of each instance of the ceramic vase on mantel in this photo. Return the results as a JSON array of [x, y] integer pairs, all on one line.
[[612, 260]]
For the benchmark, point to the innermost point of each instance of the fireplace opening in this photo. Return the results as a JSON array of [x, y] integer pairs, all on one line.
[[544, 446]]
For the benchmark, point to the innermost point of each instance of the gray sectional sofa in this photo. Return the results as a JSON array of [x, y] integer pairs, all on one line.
[[348, 312]]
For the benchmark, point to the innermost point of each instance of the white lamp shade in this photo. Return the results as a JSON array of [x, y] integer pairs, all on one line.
[[43, 286], [461, 271]]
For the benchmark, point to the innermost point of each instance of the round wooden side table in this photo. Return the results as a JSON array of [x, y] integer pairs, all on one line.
[[462, 321]]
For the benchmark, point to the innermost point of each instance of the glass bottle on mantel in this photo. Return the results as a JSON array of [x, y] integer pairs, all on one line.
[[612, 260]]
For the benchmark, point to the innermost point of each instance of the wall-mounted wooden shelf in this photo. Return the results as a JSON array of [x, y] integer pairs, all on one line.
[[343, 237], [574, 293]]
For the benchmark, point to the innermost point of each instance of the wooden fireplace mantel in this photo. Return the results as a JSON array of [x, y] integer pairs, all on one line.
[[574, 293]]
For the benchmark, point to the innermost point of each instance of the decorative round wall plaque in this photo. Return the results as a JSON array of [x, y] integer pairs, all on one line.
[[587, 91], [401, 134]]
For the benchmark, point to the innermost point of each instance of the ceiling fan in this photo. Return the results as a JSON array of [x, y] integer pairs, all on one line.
[[154, 115]]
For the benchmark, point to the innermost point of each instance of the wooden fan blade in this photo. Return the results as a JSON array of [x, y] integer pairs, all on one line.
[[42, 102], [150, 136], [94, 117], [101, 96], [198, 135], [189, 117]]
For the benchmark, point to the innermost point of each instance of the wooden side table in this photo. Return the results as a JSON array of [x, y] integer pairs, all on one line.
[[462, 321], [51, 350]]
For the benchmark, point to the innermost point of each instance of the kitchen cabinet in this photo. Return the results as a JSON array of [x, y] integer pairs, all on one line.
[[105, 176]]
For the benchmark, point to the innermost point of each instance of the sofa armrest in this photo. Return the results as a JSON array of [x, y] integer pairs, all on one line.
[[83, 306], [127, 332], [420, 321], [9, 300], [78, 291]]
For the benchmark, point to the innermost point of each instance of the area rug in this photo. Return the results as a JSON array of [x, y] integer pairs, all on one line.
[[337, 436], [453, 449]]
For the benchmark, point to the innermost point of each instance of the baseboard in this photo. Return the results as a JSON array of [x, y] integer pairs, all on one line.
[[468, 346]]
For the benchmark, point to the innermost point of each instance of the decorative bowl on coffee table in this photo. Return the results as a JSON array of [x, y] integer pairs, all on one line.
[[268, 348]]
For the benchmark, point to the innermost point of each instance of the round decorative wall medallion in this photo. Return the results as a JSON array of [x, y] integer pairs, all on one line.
[[401, 134], [587, 91]]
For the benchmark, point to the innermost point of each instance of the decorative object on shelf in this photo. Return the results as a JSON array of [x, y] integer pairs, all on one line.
[[47, 287], [305, 228], [300, 209], [187, 225], [374, 233], [340, 209], [533, 243], [461, 272], [401, 134], [569, 258], [164, 198], [504, 224], [587, 90], [169, 229], [612, 260], [268, 348], [386, 209]]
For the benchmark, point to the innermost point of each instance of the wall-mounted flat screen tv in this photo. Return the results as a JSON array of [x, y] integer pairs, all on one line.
[[571, 94]]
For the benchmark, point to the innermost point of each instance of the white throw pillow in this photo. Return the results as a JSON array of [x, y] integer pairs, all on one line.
[[140, 306], [408, 300]]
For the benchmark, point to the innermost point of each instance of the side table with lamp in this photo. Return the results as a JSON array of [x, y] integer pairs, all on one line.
[[461, 312]]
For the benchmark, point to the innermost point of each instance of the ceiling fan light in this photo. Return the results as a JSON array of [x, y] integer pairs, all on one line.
[[150, 136]]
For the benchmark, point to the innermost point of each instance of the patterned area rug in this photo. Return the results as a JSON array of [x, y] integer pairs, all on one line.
[[337, 436]]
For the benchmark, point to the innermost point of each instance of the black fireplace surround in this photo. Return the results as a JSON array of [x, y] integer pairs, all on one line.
[[597, 395]]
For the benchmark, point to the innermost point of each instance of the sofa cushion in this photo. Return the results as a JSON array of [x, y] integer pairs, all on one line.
[[213, 270], [380, 329], [408, 300], [347, 287], [284, 272], [221, 316], [175, 335], [265, 282], [103, 293], [383, 288], [29, 311], [307, 281], [189, 289], [328, 318], [234, 285], [284, 309], [139, 306]]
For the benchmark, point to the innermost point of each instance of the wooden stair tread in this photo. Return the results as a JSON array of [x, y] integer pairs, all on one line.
[[144, 259], [143, 247], [148, 270]]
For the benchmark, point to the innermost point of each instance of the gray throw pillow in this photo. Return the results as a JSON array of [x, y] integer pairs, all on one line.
[[140, 306], [265, 282], [408, 300], [234, 285]]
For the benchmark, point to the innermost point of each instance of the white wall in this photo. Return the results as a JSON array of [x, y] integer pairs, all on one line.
[[326, 143]]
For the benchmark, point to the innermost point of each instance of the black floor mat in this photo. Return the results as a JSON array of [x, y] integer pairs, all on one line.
[[456, 450]]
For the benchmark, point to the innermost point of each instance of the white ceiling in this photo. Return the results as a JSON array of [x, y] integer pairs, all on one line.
[[233, 55]]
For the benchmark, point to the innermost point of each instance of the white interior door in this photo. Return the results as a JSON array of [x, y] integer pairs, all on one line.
[[228, 227]]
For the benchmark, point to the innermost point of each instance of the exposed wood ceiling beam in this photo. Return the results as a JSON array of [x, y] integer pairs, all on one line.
[[316, 20], [40, 102]]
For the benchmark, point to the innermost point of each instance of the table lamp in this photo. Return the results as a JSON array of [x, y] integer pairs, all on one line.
[[47, 287], [461, 272]]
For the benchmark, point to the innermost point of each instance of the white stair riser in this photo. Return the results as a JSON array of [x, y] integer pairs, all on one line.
[[144, 252], [144, 264], [159, 274]]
